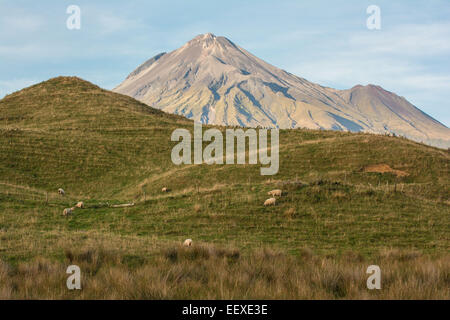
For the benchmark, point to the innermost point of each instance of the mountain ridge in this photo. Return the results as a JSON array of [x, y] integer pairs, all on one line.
[[213, 80]]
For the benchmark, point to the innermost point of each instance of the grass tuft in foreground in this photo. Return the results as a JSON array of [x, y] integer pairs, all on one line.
[[210, 272]]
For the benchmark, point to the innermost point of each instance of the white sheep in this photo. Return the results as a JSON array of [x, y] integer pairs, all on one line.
[[68, 211], [165, 189], [187, 243], [275, 193], [270, 202], [61, 191], [80, 205]]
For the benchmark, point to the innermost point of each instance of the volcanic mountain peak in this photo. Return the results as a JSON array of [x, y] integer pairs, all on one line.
[[212, 80], [208, 39]]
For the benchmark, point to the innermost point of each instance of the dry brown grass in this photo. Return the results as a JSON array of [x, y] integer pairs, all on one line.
[[290, 213], [209, 272], [384, 168], [197, 207], [338, 195]]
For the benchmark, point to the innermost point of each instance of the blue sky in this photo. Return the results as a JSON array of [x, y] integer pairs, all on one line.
[[323, 41]]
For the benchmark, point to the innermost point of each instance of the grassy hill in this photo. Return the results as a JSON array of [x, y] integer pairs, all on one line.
[[105, 148]]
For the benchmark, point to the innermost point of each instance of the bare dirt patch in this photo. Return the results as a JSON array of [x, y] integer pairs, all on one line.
[[384, 168]]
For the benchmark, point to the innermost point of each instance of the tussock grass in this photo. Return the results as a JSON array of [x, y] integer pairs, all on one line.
[[210, 272]]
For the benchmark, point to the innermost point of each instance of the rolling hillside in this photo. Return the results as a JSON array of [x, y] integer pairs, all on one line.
[[345, 192]]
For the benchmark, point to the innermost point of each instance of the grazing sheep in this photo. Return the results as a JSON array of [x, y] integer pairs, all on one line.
[[80, 205], [275, 193], [165, 189], [68, 211], [187, 243], [270, 202], [61, 191]]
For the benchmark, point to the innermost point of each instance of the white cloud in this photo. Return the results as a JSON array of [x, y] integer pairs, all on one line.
[[21, 22], [25, 50], [406, 40], [427, 82], [110, 23], [10, 86]]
